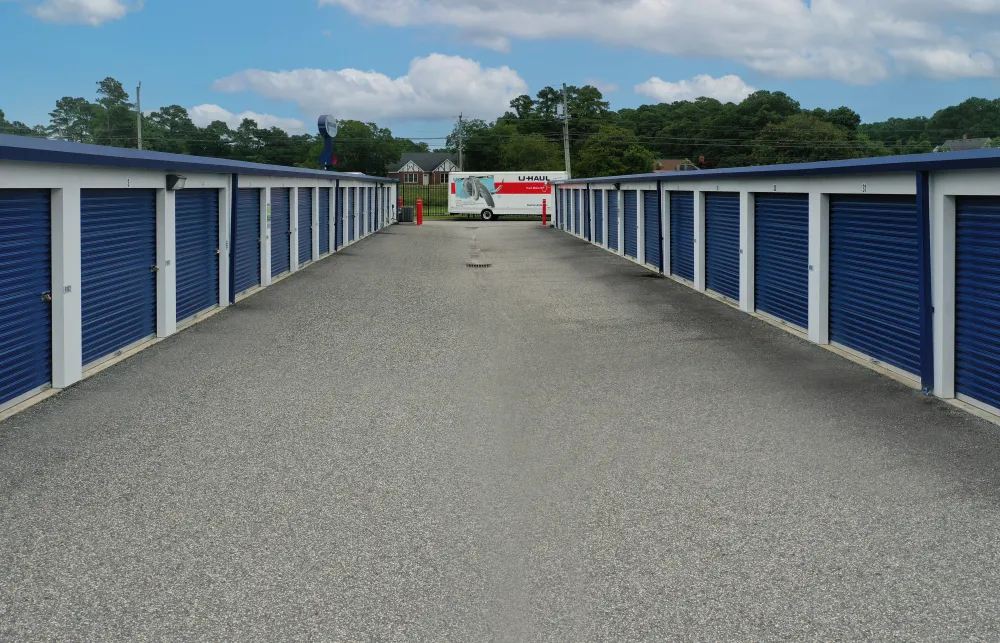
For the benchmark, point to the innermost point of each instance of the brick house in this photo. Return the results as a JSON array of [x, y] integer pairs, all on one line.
[[424, 168]]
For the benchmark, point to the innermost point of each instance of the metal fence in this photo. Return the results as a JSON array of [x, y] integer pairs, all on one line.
[[435, 197]]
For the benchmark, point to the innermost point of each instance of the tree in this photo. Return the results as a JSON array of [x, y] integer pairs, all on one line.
[[530, 152], [364, 147], [806, 138], [72, 120], [613, 151], [115, 121], [169, 129]]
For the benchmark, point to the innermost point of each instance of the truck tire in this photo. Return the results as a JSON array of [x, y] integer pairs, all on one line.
[[487, 215]]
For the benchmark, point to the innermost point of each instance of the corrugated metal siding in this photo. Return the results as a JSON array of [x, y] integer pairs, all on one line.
[[25, 276], [576, 211], [339, 219], [305, 205], [977, 299], [368, 217], [781, 256], [196, 221], [651, 228], [281, 236], [324, 221], [874, 277], [587, 232], [613, 220], [722, 243], [599, 216], [247, 239], [631, 224], [682, 234], [351, 217], [118, 281]]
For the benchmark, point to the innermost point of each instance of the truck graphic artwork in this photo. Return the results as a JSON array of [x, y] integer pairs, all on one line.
[[490, 195], [475, 187]]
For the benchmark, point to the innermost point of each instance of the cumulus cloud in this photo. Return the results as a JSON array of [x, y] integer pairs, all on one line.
[[435, 87], [603, 85], [203, 115], [88, 12], [849, 40], [945, 64], [728, 89]]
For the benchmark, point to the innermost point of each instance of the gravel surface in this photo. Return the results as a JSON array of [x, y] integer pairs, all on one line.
[[392, 446]]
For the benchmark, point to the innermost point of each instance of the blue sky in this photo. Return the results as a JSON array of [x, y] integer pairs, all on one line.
[[288, 61]]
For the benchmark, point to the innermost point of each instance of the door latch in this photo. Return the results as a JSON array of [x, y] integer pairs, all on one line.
[[218, 252], [154, 269], [47, 297]]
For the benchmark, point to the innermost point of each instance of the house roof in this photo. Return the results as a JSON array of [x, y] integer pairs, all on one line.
[[966, 160], [426, 161], [959, 144], [41, 150]]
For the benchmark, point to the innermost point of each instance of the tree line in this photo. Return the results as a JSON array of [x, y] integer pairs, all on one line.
[[764, 128]]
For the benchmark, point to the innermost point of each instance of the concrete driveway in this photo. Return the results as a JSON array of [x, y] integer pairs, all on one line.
[[391, 446]]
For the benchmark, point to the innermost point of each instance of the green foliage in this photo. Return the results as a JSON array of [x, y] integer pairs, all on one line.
[[765, 128]]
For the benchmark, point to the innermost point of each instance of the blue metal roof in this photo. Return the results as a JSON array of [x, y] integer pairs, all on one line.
[[41, 150], [938, 161]]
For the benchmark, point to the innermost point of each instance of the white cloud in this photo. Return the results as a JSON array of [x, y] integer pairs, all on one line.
[[88, 12], [945, 64], [728, 89], [435, 87], [203, 115], [849, 40]]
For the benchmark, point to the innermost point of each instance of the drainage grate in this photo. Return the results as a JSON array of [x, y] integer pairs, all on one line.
[[478, 264]]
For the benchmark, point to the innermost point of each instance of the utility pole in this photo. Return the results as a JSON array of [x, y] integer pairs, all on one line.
[[569, 173], [461, 144], [138, 113]]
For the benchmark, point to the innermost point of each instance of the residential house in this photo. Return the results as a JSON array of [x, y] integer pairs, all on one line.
[[962, 144], [674, 165], [424, 168]]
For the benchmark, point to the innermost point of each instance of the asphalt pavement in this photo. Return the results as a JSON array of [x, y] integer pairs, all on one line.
[[562, 446]]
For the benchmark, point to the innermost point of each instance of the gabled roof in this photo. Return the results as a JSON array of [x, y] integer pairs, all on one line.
[[959, 144], [42, 150], [426, 161]]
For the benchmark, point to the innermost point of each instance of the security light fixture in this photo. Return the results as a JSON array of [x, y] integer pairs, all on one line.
[[618, 186], [176, 182]]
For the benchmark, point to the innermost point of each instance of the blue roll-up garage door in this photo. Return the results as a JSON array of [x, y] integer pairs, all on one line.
[[631, 224], [247, 240], [682, 234], [305, 206], [324, 221], [599, 216], [118, 274], [781, 257], [351, 216], [368, 218], [613, 220], [281, 236], [338, 220], [722, 243], [587, 232], [197, 242], [25, 282], [651, 228], [874, 278], [576, 212], [977, 299]]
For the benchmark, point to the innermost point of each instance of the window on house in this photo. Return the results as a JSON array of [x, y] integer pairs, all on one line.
[[410, 177], [444, 178]]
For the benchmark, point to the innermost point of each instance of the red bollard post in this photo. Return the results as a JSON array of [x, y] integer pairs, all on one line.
[[420, 212], [399, 205], [544, 208]]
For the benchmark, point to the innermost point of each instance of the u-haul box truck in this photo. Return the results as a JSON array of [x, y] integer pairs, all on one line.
[[490, 195]]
